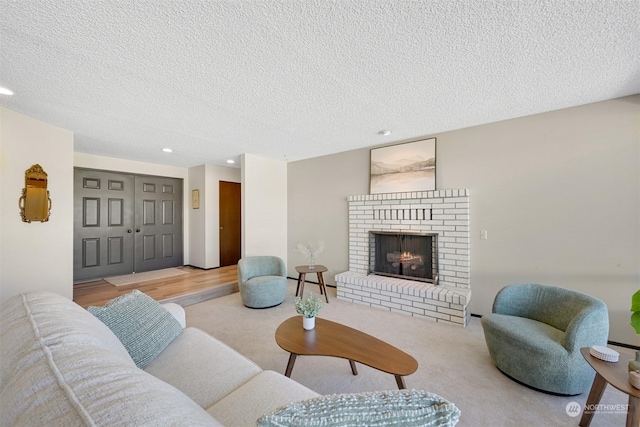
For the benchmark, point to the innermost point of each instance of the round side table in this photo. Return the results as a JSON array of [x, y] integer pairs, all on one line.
[[303, 270]]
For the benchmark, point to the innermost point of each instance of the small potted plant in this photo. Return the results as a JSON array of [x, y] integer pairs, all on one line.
[[309, 309], [635, 312], [634, 365]]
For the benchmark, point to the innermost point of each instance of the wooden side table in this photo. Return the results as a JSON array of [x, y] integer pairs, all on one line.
[[303, 270], [616, 374]]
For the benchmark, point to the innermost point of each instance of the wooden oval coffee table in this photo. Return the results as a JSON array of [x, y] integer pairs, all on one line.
[[333, 339]]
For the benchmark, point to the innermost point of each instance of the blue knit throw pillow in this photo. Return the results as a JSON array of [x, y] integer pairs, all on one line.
[[371, 409], [144, 327]]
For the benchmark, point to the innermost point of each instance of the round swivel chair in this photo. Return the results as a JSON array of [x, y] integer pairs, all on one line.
[[535, 332], [262, 281]]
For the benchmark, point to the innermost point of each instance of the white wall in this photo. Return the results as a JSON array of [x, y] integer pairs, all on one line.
[[264, 207], [558, 193], [197, 218], [318, 190], [205, 222], [91, 161], [37, 255]]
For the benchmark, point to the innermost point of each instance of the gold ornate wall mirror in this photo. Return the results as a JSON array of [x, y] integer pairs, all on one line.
[[35, 204]]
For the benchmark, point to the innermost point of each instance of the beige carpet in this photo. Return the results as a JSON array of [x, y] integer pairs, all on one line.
[[453, 362], [129, 279]]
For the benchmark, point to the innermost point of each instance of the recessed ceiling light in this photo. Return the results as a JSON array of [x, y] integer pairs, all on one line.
[[5, 91], [167, 150], [384, 132], [231, 161]]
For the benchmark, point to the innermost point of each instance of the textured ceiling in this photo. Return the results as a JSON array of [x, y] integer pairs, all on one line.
[[291, 80]]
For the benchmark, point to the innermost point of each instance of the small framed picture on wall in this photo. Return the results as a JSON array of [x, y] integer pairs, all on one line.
[[195, 199]]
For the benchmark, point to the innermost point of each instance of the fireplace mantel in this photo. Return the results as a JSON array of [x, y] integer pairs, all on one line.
[[445, 212]]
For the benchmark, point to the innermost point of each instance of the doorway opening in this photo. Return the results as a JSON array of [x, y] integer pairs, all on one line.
[[230, 206]]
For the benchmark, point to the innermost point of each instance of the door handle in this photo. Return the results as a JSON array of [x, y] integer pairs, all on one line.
[[137, 230], [128, 231]]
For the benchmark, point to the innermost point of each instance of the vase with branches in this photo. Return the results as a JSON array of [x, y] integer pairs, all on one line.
[[311, 251]]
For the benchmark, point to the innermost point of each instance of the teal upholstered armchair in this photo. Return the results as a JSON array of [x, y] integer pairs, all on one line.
[[262, 281], [535, 332]]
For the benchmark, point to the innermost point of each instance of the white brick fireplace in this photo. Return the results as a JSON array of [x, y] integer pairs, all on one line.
[[445, 212]]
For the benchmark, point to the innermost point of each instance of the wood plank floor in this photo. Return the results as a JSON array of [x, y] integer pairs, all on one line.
[[185, 289]]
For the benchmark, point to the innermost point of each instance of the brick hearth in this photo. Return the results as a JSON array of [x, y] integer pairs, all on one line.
[[445, 212]]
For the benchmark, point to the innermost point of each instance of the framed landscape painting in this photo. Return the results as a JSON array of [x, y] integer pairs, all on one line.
[[404, 167]]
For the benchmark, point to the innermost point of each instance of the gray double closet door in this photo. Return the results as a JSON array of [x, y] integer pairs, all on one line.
[[125, 223]]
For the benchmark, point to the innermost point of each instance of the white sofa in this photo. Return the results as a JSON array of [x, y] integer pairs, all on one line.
[[61, 366]]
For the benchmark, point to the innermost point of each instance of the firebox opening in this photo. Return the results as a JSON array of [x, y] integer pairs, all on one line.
[[412, 256]]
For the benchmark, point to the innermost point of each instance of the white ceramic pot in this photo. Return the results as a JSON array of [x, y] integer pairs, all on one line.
[[308, 323]]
